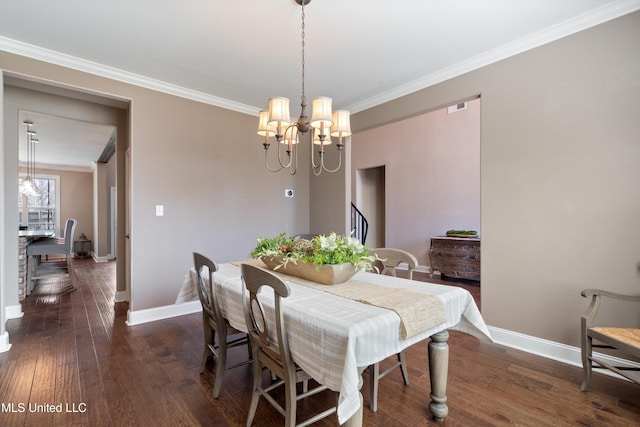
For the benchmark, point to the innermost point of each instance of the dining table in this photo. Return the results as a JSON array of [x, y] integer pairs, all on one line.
[[334, 337]]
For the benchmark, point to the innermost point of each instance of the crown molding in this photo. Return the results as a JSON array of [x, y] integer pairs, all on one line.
[[79, 64], [582, 22], [51, 166], [579, 23]]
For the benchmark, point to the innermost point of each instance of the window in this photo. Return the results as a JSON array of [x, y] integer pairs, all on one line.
[[40, 211]]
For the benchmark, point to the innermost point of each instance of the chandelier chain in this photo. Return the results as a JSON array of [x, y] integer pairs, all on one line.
[[304, 98], [324, 124]]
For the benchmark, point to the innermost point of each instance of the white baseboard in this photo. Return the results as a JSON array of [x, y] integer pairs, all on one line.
[[158, 313], [121, 296], [421, 268], [553, 350], [100, 258], [4, 342], [13, 311], [541, 347]]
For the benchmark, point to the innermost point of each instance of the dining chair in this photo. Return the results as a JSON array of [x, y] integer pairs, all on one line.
[[625, 340], [64, 233], [213, 322], [271, 348], [390, 258], [50, 246]]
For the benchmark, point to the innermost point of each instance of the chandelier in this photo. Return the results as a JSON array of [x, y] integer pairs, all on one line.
[[28, 186], [324, 124]]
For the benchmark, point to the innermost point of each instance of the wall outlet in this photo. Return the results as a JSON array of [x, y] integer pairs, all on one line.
[[288, 193], [159, 210]]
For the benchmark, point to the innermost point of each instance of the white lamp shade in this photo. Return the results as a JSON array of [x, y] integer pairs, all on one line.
[[341, 123], [263, 125], [316, 138], [321, 112], [279, 111]]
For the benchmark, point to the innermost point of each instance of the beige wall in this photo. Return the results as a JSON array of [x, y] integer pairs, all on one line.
[[330, 196], [203, 163], [559, 172], [432, 177], [205, 166], [76, 194]]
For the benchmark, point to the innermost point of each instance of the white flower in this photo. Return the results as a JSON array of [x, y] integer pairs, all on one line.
[[355, 245], [329, 242]]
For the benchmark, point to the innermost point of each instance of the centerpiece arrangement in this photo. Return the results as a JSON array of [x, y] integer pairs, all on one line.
[[324, 259]]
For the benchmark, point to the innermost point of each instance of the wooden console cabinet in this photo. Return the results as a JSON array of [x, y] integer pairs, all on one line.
[[455, 257]]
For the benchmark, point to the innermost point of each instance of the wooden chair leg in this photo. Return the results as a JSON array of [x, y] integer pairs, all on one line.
[[221, 363], [255, 394], [249, 349], [209, 337], [374, 377], [403, 367], [290, 399], [587, 364]]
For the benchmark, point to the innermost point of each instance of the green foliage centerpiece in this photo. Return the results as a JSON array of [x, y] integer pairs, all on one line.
[[324, 259]]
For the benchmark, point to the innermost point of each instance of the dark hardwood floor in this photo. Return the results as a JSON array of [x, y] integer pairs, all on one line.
[[74, 353]]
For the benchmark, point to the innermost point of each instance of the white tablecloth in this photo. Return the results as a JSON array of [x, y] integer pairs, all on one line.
[[330, 337]]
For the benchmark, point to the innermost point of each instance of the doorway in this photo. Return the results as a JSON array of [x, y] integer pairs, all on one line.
[[370, 183], [53, 102], [419, 177]]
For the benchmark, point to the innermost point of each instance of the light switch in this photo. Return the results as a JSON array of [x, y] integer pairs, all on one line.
[[159, 210]]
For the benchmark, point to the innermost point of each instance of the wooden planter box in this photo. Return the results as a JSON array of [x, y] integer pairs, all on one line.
[[327, 274]]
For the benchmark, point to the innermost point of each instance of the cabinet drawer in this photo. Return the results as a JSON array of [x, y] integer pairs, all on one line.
[[455, 257]]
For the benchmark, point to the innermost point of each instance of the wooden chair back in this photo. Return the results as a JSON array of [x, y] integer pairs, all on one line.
[[391, 258]]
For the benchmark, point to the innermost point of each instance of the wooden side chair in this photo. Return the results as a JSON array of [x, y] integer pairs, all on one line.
[[213, 322], [625, 340], [391, 258], [271, 349]]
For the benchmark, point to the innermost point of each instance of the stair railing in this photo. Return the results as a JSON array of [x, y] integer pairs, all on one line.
[[359, 224]]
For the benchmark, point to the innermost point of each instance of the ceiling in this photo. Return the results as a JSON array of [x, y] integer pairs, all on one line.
[[238, 54], [63, 142]]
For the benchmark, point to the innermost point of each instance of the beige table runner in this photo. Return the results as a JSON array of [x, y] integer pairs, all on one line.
[[418, 312]]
